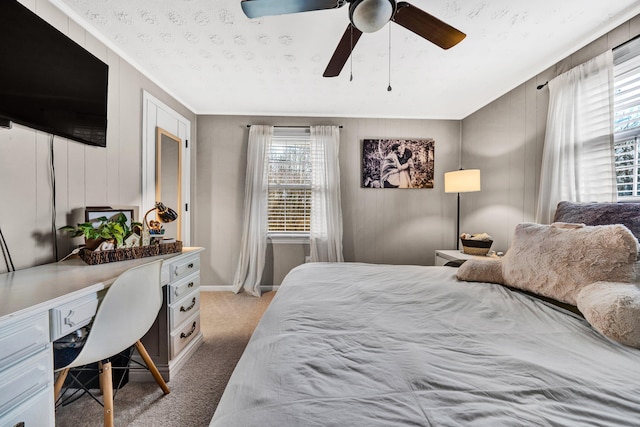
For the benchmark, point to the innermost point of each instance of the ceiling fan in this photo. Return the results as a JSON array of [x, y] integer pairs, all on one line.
[[366, 16]]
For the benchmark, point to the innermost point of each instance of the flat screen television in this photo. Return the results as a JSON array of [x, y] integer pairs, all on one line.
[[47, 81]]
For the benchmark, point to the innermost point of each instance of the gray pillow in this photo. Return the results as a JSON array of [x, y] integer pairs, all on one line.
[[627, 214]]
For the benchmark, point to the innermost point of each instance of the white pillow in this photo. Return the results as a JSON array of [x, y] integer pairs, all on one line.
[[558, 260], [613, 309]]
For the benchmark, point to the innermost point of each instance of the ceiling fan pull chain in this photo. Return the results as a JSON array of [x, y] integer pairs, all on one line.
[[389, 87], [351, 56]]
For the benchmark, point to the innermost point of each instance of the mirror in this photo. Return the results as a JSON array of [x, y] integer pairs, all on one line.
[[168, 178]]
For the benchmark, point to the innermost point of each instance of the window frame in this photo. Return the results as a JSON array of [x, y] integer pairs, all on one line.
[[283, 134], [626, 78]]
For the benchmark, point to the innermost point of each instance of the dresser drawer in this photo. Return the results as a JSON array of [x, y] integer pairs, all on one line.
[[36, 412], [183, 336], [73, 315], [182, 287], [23, 338], [25, 379], [183, 309], [183, 268]]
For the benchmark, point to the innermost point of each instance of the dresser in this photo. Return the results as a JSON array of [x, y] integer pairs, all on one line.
[[175, 335], [41, 304]]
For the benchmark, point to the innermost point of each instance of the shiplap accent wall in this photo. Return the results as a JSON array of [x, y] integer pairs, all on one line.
[[85, 175], [505, 140], [402, 226]]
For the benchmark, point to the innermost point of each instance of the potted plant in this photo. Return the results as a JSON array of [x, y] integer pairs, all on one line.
[[113, 230]]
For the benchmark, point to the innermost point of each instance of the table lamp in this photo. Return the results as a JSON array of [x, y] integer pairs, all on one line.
[[164, 214], [461, 181]]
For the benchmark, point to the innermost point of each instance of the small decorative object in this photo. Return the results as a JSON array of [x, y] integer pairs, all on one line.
[[476, 244], [132, 241], [397, 163], [106, 245], [153, 229]]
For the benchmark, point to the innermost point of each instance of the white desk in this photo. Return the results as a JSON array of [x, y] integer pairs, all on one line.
[[28, 299]]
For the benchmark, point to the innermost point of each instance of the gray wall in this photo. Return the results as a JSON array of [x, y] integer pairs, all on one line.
[[85, 175], [505, 140], [403, 226]]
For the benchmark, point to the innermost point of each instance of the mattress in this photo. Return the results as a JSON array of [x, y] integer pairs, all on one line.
[[352, 344]]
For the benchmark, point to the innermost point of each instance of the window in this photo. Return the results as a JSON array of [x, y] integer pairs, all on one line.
[[289, 182], [626, 122]]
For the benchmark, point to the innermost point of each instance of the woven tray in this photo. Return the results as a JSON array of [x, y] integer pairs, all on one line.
[[124, 254]]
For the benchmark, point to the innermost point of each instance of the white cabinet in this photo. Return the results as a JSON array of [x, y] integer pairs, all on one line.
[[175, 335], [26, 372]]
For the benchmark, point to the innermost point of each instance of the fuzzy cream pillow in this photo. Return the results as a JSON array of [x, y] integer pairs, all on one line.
[[613, 309], [557, 260], [481, 270]]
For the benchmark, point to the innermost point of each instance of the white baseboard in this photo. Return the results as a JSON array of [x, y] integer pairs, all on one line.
[[227, 288], [215, 288]]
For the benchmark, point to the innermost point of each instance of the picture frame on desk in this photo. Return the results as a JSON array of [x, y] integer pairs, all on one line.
[[92, 213]]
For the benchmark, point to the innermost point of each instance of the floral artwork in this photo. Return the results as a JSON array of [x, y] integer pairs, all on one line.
[[397, 163]]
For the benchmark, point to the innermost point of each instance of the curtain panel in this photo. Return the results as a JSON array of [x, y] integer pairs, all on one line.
[[254, 227], [578, 159], [326, 211]]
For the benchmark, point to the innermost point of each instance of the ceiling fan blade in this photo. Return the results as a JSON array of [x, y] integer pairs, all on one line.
[[343, 51], [258, 8], [427, 26]]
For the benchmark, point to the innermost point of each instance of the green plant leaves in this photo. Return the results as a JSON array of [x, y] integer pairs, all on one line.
[[114, 229]]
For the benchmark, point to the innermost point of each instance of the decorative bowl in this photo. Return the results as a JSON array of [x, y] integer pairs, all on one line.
[[476, 247]]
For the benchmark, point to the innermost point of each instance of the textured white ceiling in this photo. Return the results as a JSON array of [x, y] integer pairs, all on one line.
[[215, 60]]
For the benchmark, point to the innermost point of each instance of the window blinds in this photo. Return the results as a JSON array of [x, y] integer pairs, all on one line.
[[626, 122], [289, 181]]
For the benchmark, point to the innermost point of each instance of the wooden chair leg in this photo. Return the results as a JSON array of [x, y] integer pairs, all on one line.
[[152, 367], [59, 383], [106, 386]]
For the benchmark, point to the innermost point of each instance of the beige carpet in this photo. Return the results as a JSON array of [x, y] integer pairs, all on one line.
[[227, 322]]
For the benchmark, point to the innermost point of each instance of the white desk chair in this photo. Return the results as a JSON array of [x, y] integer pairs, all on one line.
[[126, 313]]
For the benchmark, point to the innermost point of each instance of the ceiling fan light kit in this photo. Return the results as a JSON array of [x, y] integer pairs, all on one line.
[[366, 16], [369, 16]]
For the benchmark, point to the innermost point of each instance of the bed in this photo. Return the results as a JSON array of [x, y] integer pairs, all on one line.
[[353, 344]]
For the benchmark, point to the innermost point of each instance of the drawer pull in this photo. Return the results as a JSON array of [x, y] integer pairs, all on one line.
[[185, 309], [190, 265], [189, 285], [68, 320], [20, 424], [188, 334]]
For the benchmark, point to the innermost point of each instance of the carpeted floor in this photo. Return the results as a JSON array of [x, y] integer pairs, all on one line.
[[227, 322]]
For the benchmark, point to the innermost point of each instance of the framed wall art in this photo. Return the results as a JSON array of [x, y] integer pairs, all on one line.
[[397, 163]]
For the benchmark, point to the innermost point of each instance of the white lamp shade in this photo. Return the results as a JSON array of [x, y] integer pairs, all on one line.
[[369, 16], [462, 181]]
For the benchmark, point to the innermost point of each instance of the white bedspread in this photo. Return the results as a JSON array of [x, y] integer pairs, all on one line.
[[377, 345]]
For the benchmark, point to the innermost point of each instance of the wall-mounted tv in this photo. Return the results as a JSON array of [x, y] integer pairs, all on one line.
[[47, 81]]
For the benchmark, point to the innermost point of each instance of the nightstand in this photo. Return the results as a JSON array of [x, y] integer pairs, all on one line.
[[444, 256]]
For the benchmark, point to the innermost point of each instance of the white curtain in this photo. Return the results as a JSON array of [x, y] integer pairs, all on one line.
[[254, 228], [326, 211], [577, 160]]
